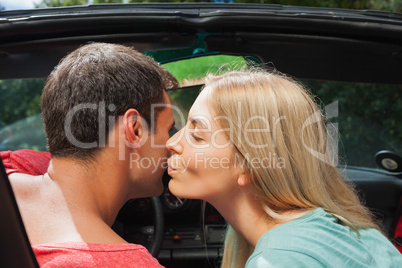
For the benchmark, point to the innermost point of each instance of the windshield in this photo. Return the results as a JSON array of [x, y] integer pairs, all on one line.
[[366, 116], [363, 118]]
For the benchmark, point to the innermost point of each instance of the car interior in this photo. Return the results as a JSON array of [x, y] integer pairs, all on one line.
[[350, 60]]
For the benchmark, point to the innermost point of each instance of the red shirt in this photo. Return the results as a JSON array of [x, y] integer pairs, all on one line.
[[88, 255], [75, 254], [25, 161]]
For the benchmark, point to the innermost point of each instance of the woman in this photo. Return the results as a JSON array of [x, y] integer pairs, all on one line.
[[255, 147]]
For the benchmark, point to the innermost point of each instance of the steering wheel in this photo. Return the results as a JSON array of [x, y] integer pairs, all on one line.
[[153, 209], [159, 224], [128, 210]]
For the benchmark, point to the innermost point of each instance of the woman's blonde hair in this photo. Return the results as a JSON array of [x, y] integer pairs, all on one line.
[[274, 118]]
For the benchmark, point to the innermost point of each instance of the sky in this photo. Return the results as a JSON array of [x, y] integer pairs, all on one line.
[[18, 4]]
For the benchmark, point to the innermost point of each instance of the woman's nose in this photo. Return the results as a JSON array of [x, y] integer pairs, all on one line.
[[174, 143]]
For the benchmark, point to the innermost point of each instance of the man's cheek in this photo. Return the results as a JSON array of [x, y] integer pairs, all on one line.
[[158, 142]]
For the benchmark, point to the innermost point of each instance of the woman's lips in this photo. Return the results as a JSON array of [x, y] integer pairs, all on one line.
[[171, 167], [176, 164], [171, 170]]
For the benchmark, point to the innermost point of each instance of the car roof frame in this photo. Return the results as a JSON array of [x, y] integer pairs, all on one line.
[[310, 43]]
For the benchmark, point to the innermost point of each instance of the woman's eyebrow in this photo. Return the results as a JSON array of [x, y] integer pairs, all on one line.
[[198, 121]]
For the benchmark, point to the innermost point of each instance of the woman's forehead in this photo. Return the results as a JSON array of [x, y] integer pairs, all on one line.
[[200, 107], [201, 113]]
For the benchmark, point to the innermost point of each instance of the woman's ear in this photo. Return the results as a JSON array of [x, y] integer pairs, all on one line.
[[243, 180], [133, 127]]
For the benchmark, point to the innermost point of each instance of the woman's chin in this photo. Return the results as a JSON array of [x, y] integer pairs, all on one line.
[[174, 189]]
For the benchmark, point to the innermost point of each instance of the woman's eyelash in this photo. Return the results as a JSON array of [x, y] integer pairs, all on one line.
[[195, 137]]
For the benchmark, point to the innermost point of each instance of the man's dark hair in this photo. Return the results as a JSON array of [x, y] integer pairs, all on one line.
[[91, 87]]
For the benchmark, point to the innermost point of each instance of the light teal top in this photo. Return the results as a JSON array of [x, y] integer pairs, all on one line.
[[318, 240]]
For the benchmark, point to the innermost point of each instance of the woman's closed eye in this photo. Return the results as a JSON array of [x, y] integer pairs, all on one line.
[[195, 137]]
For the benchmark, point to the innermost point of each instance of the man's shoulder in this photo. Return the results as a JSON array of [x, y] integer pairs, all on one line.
[[25, 187], [25, 161], [80, 254]]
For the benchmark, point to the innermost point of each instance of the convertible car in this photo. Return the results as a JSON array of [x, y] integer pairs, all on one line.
[[351, 60]]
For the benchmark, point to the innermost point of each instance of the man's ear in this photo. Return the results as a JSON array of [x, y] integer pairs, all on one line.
[[133, 127]]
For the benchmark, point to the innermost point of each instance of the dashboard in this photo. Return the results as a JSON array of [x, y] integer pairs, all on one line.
[[193, 232]]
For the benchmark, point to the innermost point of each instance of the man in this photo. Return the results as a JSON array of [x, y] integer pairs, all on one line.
[[97, 107]]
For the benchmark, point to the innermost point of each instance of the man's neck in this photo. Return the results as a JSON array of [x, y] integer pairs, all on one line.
[[97, 188], [73, 202]]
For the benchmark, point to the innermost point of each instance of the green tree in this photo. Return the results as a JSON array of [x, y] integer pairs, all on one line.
[[60, 3], [367, 119], [388, 5], [21, 98], [108, 1]]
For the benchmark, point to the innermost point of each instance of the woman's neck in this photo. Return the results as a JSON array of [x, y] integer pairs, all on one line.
[[245, 214]]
